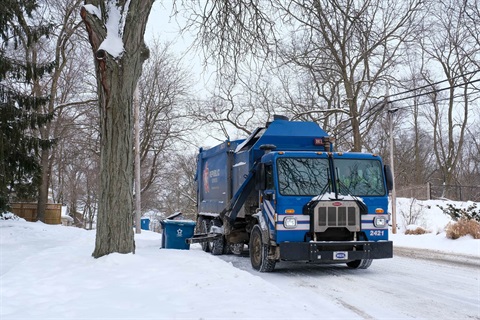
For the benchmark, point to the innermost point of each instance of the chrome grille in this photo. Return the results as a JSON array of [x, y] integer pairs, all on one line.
[[346, 215]]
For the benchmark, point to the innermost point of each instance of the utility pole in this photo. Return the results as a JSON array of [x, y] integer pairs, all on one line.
[[394, 193], [138, 203]]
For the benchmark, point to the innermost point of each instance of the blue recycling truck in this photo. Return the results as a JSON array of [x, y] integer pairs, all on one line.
[[289, 196]]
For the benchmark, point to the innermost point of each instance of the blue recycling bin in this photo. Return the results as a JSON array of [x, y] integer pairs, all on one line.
[[175, 232], [145, 223]]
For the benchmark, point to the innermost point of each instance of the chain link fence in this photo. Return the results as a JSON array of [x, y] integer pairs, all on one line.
[[430, 191]]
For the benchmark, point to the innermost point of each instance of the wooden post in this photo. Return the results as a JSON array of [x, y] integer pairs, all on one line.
[[394, 195]]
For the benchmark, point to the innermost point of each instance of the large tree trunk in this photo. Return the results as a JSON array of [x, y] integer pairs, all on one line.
[[117, 78], [115, 219], [43, 190]]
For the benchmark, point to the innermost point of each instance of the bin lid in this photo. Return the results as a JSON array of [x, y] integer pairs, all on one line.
[[174, 215], [179, 222]]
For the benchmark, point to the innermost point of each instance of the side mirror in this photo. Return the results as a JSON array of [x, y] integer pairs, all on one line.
[[388, 177], [269, 195], [260, 181]]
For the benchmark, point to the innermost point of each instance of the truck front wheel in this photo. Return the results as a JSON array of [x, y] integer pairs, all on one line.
[[360, 264], [259, 252]]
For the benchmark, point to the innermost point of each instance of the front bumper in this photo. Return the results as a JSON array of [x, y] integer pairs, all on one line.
[[335, 252]]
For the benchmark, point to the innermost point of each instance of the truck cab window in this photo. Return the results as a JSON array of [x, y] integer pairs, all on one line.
[[359, 177], [302, 176]]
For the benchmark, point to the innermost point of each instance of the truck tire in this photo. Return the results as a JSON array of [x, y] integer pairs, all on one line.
[[204, 228], [259, 252], [216, 245], [236, 248], [360, 264]]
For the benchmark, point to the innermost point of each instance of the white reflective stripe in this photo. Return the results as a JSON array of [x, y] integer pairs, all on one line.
[[367, 221], [368, 217], [270, 212], [303, 218], [300, 227]]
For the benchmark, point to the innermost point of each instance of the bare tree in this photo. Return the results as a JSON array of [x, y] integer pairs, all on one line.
[[450, 49], [181, 195], [353, 47], [118, 67], [63, 42], [348, 48], [76, 167], [163, 90], [238, 105], [230, 32], [413, 142]]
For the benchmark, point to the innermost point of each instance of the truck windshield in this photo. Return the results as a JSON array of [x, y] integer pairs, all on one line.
[[359, 177], [302, 176]]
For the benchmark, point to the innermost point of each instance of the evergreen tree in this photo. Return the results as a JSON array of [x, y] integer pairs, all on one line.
[[19, 104]]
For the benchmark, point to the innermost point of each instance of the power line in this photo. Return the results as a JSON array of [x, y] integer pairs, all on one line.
[[432, 91], [382, 104], [463, 75]]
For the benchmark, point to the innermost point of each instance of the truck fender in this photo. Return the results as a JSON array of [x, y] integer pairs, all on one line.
[[263, 226]]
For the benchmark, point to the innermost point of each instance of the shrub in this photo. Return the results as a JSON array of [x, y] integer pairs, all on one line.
[[413, 214], [8, 216], [462, 228], [417, 231], [457, 214]]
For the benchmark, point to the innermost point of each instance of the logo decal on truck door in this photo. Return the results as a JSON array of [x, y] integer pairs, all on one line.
[[206, 186]]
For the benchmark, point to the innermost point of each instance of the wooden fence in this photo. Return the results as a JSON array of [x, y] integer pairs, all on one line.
[[28, 211]]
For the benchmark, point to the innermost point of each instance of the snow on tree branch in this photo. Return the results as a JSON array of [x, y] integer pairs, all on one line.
[[93, 10], [114, 16], [113, 43]]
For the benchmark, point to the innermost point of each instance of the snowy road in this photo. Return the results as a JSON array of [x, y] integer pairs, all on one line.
[[414, 284]]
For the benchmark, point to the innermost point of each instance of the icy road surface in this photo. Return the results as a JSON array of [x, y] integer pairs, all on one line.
[[414, 284]]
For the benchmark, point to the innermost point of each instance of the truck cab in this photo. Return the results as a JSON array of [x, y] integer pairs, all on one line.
[[311, 199]]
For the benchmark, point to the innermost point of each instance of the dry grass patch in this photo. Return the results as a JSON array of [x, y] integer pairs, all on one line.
[[417, 231], [462, 228]]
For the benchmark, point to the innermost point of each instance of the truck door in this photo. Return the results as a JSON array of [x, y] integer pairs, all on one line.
[[269, 198]]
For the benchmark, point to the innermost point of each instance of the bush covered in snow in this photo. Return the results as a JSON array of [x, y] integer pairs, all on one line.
[[9, 216], [466, 220], [458, 213]]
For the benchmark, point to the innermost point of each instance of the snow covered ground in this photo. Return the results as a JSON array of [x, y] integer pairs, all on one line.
[[47, 272]]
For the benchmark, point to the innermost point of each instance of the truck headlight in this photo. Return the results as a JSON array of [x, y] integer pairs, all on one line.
[[290, 222], [380, 222]]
